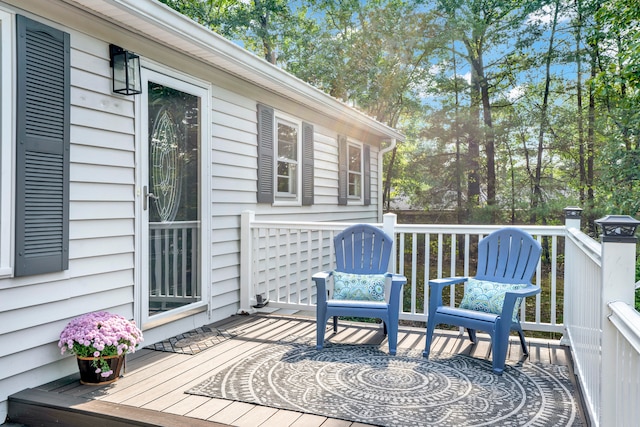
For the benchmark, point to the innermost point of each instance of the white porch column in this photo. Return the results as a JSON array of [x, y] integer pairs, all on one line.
[[246, 263], [618, 284], [389, 226], [572, 219]]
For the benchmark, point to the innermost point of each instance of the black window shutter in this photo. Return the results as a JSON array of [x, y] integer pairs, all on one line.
[[343, 165], [42, 154], [366, 172], [265, 154], [307, 164]]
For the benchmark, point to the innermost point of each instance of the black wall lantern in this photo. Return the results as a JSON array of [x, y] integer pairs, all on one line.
[[126, 71]]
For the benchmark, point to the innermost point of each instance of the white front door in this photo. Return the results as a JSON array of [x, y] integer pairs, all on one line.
[[173, 130]]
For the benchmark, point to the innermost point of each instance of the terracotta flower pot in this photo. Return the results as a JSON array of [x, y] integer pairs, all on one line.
[[88, 373]]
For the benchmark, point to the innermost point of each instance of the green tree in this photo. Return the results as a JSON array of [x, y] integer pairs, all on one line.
[[265, 27], [482, 27], [617, 86], [506, 104]]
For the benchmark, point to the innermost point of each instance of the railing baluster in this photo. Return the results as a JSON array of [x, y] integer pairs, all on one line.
[[188, 289], [276, 269], [287, 278], [157, 234], [439, 255], [165, 264], [466, 254], [173, 257], [427, 273], [453, 255], [554, 273], [401, 254], [309, 266], [414, 270]]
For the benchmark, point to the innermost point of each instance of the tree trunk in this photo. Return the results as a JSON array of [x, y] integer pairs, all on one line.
[[591, 125], [269, 53], [537, 184], [581, 142], [386, 194], [489, 140], [473, 149]]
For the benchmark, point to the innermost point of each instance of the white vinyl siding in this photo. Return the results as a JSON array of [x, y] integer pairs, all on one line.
[[101, 229]]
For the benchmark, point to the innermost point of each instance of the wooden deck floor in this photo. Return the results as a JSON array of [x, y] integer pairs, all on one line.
[[154, 382]]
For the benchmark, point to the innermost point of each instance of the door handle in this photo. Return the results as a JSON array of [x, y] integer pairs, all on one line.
[[146, 197]]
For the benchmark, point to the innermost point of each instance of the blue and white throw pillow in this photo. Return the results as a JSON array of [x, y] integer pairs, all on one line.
[[359, 287], [486, 296]]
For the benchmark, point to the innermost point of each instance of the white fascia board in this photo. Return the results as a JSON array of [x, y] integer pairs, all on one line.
[[159, 22]]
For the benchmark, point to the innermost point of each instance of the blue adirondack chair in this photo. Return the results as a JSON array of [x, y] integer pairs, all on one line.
[[507, 259], [360, 286]]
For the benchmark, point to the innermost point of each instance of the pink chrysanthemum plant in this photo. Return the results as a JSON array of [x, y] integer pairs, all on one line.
[[100, 334]]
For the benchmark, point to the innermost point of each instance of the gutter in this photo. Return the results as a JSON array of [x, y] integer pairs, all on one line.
[[381, 154]]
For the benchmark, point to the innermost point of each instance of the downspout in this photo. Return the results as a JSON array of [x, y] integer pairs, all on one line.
[[381, 154]]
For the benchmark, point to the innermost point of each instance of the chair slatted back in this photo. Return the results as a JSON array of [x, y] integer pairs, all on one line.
[[509, 255], [362, 249]]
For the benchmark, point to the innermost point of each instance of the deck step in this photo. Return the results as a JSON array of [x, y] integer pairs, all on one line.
[[34, 407]]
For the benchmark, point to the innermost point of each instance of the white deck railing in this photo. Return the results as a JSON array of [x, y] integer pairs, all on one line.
[[284, 255], [602, 328], [587, 291], [584, 312], [435, 251], [626, 380], [173, 263]]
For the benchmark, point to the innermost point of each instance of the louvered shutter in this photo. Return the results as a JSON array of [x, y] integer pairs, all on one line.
[[366, 172], [42, 154], [265, 154], [343, 165], [307, 164]]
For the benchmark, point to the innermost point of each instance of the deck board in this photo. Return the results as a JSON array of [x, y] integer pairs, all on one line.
[[156, 380], [208, 409]]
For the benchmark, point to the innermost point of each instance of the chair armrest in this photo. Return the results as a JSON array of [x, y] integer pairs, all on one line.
[[447, 281], [435, 290], [323, 275], [397, 279], [397, 282], [320, 280], [437, 285], [525, 292], [510, 298]]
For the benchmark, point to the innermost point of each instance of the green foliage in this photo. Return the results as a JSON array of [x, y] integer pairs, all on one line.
[[265, 27], [466, 81]]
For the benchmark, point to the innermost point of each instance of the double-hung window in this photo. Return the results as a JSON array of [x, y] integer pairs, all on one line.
[[287, 175], [285, 159], [354, 172]]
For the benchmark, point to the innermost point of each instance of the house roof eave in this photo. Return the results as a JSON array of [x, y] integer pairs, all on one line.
[[157, 21]]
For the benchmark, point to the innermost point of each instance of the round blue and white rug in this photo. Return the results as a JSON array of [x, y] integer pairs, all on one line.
[[364, 384]]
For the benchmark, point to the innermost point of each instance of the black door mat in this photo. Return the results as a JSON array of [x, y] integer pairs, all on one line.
[[193, 342]]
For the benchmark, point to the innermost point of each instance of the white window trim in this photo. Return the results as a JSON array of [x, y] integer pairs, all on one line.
[[7, 138], [356, 200], [286, 199]]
